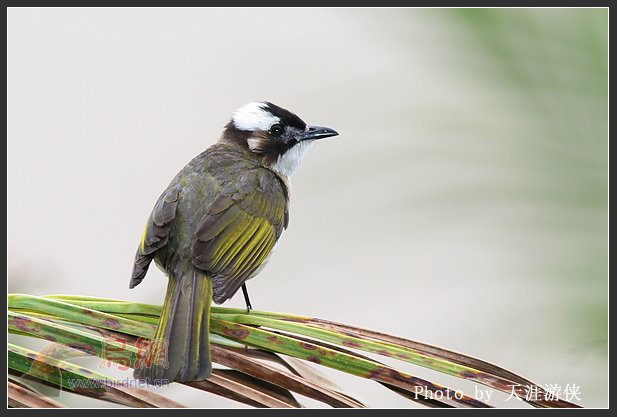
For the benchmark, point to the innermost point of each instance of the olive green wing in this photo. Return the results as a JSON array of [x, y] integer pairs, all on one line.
[[156, 233], [239, 231]]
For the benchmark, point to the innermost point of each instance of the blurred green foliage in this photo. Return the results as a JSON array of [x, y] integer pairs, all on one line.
[[554, 63]]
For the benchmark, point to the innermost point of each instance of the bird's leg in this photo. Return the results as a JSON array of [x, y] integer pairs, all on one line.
[[245, 292]]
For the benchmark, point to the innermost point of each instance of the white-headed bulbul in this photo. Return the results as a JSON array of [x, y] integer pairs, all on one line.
[[215, 226]]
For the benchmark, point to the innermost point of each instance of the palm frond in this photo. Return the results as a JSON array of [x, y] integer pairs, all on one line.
[[265, 355]]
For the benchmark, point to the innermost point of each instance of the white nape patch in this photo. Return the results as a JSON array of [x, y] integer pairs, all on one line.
[[254, 116], [287, 163]]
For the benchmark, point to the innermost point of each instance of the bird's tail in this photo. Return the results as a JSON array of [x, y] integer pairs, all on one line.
[[180, 350]]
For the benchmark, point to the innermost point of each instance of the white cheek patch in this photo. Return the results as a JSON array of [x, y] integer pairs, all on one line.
[[253, 116], [287, 163], [253, 143]]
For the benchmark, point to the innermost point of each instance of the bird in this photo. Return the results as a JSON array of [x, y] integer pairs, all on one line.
[[214, 227]]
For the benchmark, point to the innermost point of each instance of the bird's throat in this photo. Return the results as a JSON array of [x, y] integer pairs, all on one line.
[[287, 163]]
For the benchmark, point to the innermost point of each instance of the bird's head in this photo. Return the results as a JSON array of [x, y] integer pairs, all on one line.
[[277, 137]]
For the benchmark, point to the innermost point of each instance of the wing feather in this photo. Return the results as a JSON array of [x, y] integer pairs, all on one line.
[[239, 243], [239, 230], [156, 233]]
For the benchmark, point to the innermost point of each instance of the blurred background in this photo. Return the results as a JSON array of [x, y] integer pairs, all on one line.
[[464, 204]]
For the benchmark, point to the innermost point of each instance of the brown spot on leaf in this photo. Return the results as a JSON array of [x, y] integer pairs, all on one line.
[[314, 359], [84, 347], [274, 340], [389, 374], [308, 346], [351, 343], [383, 373], [113, 323], [50, 338], [236, 333], [25, 325]]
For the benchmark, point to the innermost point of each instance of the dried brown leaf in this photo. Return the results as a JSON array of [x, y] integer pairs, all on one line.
[[255, 394], [21, 397], [241, 360]]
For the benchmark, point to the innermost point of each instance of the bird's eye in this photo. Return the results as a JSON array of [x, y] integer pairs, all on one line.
[[276, 130]]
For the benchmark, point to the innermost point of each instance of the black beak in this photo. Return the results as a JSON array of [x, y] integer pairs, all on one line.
[[317, 132]]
